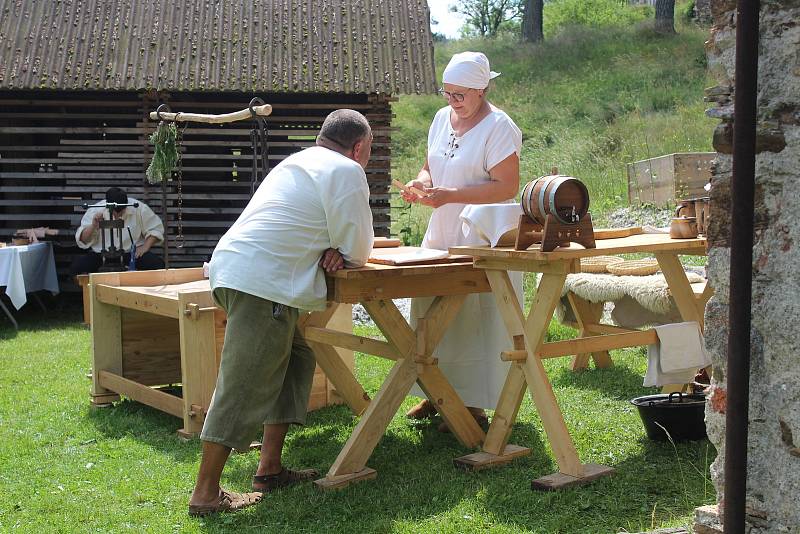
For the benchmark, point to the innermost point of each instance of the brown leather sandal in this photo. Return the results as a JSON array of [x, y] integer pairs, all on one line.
[[287, 477], [227, 501], [423, 410]]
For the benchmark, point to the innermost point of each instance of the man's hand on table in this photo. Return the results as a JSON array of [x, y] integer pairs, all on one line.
[[331, 260]]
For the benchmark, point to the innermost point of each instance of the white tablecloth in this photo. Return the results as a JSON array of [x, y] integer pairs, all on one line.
[[26, 269], [488, 222]]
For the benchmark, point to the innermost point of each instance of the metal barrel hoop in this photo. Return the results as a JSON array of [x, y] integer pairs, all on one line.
[[526, 199], [540, 199], [551, 200]]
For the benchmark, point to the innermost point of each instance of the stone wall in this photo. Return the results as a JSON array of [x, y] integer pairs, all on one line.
[[773, 484]]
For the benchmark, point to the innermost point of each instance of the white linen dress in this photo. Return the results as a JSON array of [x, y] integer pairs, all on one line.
[[469, 353]]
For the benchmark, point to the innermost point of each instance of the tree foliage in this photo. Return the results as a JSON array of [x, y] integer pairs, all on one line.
[[486, 17]]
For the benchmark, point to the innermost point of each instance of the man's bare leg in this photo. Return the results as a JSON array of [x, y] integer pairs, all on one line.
[[271, 449], [206, 489]]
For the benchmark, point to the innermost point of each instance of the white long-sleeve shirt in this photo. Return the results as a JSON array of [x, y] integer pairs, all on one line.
[[313, 200], [142, 221]]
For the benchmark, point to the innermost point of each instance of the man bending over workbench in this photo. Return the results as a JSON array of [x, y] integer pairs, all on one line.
[[310, 214]]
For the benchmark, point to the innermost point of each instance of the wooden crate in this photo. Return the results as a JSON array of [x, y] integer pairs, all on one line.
[[665, 179], [154, 330]]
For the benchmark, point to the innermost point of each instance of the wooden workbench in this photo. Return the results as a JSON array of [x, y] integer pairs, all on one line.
[[528, 334], [411, 349], [160, 328]]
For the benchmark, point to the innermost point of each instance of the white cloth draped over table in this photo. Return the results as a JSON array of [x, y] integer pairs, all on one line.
[[469, 353], [25, 269], [489, 222]]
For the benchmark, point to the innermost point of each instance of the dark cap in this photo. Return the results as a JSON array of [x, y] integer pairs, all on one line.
[[116, 195]]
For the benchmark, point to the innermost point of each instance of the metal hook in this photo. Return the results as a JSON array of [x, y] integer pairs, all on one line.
[[255, 100], [160, 109]]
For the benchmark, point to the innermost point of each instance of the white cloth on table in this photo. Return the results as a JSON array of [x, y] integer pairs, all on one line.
[[141, 220], [469, 352], [489, 222], [27, 268], [680, 352], [313, 200]]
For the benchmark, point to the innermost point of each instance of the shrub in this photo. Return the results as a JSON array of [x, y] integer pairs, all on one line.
[[559, 14]]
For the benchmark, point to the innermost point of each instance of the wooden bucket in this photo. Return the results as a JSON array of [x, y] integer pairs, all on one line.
[[566, 198]]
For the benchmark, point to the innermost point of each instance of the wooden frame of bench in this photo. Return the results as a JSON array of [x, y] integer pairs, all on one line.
[[147, 333]]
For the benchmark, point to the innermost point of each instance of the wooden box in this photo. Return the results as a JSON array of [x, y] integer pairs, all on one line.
[[154, 330], [665, 179]]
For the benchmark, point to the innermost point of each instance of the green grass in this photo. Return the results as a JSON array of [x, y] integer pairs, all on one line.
[[588, 100], [67, 468]]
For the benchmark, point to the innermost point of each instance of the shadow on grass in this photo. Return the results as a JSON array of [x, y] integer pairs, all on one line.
[[133, 420], [616, 382], [31, 318]]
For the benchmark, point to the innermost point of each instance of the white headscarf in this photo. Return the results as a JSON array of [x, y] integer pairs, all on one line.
[[469, 69]]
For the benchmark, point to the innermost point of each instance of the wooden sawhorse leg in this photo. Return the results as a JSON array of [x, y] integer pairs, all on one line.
[[414, 364], [198, 358], [587, 313], [531, 332], [690, 307]]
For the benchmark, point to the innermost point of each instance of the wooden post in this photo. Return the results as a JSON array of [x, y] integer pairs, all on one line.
[[587, 313], [106, 321], [198, 356]]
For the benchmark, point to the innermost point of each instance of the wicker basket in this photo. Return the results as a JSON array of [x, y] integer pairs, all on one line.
[[634, 267], [598, 264]]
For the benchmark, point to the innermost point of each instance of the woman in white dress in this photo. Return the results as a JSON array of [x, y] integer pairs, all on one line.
[[473, 158]]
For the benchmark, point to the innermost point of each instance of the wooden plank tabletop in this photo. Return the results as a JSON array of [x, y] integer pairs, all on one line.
[[623, 245], [375, 270], [168, 291]]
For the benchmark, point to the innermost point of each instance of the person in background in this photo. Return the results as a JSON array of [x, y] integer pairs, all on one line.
[[309, 216], [473, 158], [145, 227]]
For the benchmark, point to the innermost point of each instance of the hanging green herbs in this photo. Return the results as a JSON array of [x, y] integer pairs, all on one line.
[[165, 152]]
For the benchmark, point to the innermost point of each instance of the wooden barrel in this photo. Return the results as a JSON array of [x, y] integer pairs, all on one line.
[[566, 198]]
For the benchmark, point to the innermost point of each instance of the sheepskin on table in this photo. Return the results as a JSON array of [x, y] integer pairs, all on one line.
[[638, 300]]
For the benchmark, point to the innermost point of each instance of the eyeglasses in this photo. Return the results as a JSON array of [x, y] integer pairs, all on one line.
[[458, 97]]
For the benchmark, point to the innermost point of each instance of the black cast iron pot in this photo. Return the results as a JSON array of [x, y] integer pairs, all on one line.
[[682, 416]]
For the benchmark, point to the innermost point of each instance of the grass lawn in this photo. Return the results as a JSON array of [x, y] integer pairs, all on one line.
[[65, 467]]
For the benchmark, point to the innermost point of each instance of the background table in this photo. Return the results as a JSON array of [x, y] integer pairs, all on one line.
[[25, 269]]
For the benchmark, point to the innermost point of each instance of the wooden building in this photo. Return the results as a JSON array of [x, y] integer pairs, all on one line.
[[78, 78]]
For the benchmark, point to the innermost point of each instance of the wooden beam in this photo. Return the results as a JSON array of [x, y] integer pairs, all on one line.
[[680, 288], [342, 378], [349, 341], [450, 406], [514, 355], [505, 414], [372, 425], [150, 303], [597, 343], [261, 111], [145, 394]]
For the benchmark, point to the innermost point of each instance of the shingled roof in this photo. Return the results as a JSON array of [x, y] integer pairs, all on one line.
[[349, 46]]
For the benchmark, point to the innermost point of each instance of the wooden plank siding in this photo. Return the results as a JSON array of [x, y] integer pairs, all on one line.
[[59, 149]]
